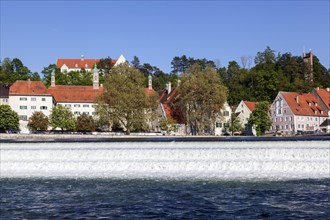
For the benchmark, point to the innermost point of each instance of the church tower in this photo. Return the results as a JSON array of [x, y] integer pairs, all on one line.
[[308, 63], [95, 78], [52, 79]]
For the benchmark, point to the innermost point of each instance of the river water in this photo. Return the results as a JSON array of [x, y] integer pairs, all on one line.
[[166, 180]]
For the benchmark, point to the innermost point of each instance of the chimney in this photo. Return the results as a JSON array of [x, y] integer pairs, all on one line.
[[328, 89], [179, 82], [150, 82], [168, 85], [82, 57], [52, 79], [95, 78]]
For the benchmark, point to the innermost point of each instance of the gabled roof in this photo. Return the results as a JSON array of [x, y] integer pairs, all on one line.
[[78, 94], [21, 87], [170, 109], [79, 63], [326, 123], [304, 104], [324, 95], [250, 105]]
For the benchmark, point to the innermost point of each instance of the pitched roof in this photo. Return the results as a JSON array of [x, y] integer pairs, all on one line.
[[304, 104], [250, 105], [170, 109], [325, 123], [21, 87], [79, 63], [82, 94], [324, 95]]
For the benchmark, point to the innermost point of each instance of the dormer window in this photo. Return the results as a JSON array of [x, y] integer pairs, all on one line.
[[86, 65], [76, 65], [310, 104]]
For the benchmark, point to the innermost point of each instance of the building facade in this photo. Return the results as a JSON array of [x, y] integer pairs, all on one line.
[[294, 113], [67, 65], [26, 97]]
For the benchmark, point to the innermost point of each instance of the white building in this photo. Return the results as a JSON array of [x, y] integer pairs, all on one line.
[[67, 65], [80, 99], [294, 113], [223, 121], [26, 97], [243, 111]]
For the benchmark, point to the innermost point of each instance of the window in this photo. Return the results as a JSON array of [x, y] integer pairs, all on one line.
[[76, 105], [93, 113], [33, 99], [77, 113], [302, 126], [94, 106], [43, 99], [225, 125], [298, 125], [86, 106], [23, 107], [226, 113], [23, 117], [87, 113], [5, 100], [43, 107], [218, 125], [23, 99], [68, 105], [33, 107], [315, 119], [286, 126]]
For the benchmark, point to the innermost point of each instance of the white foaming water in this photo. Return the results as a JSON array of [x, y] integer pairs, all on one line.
[[210, 160]]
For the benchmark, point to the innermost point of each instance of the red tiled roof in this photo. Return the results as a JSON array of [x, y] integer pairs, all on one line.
[[170, 109], [250, 105], [79, 63], [307, 104], [324, 95], [149, 91], [84, 94], [28, 87]]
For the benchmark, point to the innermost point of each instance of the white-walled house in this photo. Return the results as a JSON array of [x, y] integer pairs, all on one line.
[[243, 111], [323, 96], [294, 113], [67, 65], [223, 121], [26, 97], [80, 99]]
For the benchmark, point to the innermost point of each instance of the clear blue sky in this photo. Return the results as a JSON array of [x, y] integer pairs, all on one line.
[[39, 32]]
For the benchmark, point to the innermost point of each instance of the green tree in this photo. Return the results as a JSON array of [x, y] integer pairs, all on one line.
[[8, 118], [85, 123], [62, 117], [38, 122], [260, 118], [235, 124], [201, 96], [125, 99], [167, 124], [12, 70]]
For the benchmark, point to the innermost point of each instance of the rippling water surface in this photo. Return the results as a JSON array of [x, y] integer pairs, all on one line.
[[191, 180], [170, 199]]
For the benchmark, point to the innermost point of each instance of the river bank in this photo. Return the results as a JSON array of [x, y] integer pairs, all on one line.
[[30, 138]]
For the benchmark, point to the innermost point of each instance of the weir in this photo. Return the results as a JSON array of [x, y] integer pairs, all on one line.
[[169, 160]]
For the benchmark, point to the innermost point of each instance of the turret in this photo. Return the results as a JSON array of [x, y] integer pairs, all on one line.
[[150, 82], [52, 79], [95, 78]]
